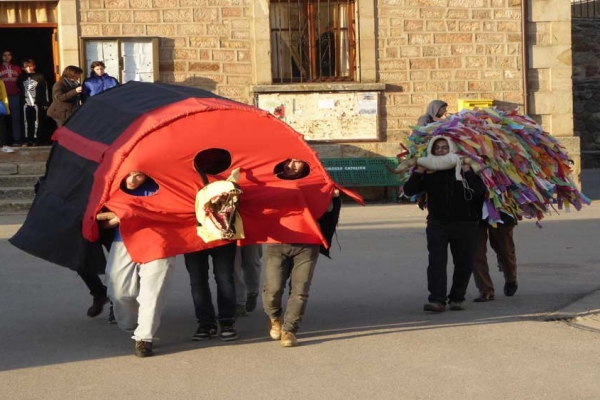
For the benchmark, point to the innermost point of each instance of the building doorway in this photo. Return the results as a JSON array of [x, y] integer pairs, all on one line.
[[39, 44]]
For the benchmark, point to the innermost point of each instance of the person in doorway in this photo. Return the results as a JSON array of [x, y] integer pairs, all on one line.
[[436, 110], [33, 101], [66, 95], [98, 82], [501, 240], [9, 73], [247, 268], [4, 112], [137, 291], [454, 203]]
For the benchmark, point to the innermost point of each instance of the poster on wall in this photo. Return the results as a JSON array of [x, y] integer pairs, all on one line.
[[342, 116]]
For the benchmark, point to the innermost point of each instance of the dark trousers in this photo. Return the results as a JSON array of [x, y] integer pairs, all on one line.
[[4, 139], [197, 266], [15, 117], [462, 237], [296, 262], [501, 240], [94, 283]]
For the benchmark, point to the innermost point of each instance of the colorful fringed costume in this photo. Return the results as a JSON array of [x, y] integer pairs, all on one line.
[[525, 169]]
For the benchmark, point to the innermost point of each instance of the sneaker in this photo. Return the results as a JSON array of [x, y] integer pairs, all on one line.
[[204, 333], [434, 307], [111, 316], [251, 301], [7, 149], [510, 288], [275, 328], [288, 339], [97, 306], [143, 349], [457, 306], [228, 333], [240, 311]]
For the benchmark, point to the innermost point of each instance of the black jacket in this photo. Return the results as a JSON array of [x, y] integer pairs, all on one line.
[[447, 199]]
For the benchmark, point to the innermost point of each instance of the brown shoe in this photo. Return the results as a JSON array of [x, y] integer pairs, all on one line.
[[275, 328], [288, 339], [143, 349]]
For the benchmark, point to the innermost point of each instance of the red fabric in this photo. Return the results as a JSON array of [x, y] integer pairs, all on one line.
[[163, 145], [79, 145]]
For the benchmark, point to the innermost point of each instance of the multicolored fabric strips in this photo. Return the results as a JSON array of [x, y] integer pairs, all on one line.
[[526, 170]]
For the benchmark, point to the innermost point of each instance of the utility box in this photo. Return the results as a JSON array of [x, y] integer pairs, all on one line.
[[472, 103]]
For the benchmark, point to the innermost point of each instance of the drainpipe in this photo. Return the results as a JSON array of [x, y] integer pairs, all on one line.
[[525, 54]]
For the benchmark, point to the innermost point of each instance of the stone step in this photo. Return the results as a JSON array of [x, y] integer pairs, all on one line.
[[16, 193], [26, 154], [23, 168], [18, 180], [15, 206]]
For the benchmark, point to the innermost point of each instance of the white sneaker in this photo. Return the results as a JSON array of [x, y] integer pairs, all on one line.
[[7, 149]]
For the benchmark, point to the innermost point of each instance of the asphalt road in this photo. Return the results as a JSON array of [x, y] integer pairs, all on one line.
[[364, 335]]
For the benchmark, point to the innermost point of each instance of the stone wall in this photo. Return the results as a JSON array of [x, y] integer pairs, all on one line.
[[204, 43], [586, 88]]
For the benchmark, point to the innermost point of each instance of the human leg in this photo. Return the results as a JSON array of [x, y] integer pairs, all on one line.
[[437, 246], [240, 286], [277, 271], [15, 118], [97, 290], [463, 245], [154, 279], [197, 266], [305, 258], [481, 271], [251, 266], [223, 258], [501, 240], [122, 286]]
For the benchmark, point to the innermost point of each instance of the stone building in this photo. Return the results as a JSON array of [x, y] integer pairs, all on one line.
[[386, 58]]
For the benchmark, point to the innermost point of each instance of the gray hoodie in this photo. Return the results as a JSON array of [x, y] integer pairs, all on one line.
[[432, 109]]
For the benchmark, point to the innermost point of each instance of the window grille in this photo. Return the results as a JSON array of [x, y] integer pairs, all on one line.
[[312, 40], [585, 9]]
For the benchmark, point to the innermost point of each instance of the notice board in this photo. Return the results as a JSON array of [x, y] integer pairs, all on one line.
[[340, 116]]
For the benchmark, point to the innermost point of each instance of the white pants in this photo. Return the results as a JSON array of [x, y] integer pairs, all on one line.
[[137, 291], [246, 271]]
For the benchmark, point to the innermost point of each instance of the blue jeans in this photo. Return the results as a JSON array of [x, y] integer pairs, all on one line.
[[197, 266], [15, 117]]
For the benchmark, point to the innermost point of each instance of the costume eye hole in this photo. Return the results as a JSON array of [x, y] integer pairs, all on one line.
[[212, 161], [291, 169]]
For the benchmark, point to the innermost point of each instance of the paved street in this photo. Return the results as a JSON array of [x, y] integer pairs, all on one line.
[[364, 334]]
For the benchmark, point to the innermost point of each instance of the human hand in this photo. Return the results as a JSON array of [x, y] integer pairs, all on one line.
[[420, 170], [108, 219], [78, 89]]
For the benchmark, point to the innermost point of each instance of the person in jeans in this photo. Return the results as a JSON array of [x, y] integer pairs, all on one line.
[[247, 268], [501, 240], [454, 203], [9, 73], [197, 265], [294, 262]]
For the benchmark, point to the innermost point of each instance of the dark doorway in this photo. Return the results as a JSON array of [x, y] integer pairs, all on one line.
[[37, 44]]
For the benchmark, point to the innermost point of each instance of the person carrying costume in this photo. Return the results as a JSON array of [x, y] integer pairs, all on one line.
[[293, 262], [435, 112], [65, 95], [454, 202], [98, 82], [501, 240], [247, 268], [9, 74], [136, 290], [33, 101]]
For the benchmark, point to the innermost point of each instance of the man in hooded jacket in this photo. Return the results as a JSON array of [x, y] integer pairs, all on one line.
[[435, 111], [454, 202]]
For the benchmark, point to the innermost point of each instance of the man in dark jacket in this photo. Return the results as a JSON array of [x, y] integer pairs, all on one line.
[[454, 202], [435, 112]]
